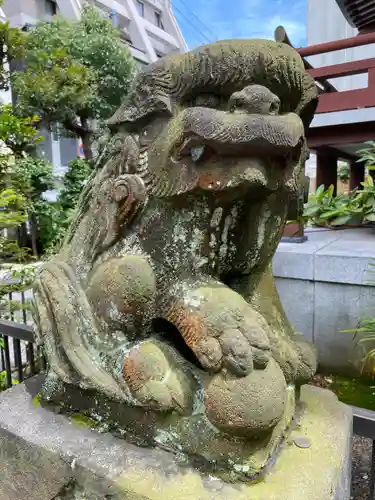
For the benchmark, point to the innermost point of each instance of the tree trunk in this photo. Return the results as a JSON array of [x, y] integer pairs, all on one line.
[[34, 235], [86, 138], [85, 132]]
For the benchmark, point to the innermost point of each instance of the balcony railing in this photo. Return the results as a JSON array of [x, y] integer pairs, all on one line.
[[348, 99]]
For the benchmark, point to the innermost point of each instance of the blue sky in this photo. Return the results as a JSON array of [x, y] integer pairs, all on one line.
[[202, 21]]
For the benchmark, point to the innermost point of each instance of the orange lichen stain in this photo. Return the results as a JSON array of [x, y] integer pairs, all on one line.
[[190, 324], [133, 373]]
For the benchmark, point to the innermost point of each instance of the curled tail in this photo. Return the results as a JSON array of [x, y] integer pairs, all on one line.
[[66, 328]]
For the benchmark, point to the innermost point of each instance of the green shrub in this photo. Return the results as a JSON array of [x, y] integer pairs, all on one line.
[[354, 208]]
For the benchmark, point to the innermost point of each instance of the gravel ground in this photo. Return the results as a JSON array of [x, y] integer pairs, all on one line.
[[361, 456], [361, 463]]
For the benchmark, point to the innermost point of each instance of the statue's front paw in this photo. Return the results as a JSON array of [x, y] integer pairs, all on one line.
[[235, 348], [225, 332], [296, 357], [158, 379]]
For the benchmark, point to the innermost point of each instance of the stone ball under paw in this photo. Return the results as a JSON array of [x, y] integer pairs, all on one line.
[[249, 405]]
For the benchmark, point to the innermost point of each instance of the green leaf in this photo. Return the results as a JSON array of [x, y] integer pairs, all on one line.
[[370, 217], [356, 210], [311, 210], [329, 192], [320, 190], [370, 201], [331, 213], [341, 220]]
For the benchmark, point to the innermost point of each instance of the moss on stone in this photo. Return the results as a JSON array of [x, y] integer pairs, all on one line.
[[36, 400], [312, 473], [354, 391], [84, 420]]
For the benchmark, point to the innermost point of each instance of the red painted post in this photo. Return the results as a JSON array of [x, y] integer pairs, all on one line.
[[371, 77], [326, 168], [357, 175]]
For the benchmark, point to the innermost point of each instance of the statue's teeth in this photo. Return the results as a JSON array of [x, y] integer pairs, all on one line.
[[197, 152]]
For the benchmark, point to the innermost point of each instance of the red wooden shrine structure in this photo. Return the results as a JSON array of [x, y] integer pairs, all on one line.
[[325, 140]]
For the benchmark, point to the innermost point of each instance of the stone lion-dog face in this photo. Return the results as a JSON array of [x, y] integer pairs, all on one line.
[[161, 296]]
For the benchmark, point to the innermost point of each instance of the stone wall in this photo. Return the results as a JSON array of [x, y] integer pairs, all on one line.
[[323, 285]]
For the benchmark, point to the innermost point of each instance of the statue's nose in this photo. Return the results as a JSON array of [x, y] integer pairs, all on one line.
[[254, 99]]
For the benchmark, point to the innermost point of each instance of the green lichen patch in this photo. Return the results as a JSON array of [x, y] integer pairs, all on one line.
[[36, 400], [355, 391], [84, 421]]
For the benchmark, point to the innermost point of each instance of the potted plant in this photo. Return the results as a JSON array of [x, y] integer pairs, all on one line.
[[343, 172], [354, 209]]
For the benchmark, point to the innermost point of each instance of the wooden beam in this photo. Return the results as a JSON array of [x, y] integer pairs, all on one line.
[[341, 155], [345, 43], [348, 133], [345, 69], [349, 99]]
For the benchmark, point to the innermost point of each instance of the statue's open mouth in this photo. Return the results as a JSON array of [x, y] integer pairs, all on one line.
[[210, 134]]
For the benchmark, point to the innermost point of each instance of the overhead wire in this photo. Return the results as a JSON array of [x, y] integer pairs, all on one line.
[[204, 26], [190, 23]]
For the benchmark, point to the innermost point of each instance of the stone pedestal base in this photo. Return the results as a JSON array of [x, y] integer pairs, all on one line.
[[45, 456]]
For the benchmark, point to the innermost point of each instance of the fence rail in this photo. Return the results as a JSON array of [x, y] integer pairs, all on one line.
[[19, 358]]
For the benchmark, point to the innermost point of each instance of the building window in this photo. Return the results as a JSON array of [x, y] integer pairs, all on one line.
[[113, 17], [125, 37], [51, 8], [158, 20], [55, 131], [141, 8]]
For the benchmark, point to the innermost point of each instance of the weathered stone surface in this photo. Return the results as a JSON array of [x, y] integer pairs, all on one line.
[[58, 459], [162, 295], [330, 275]]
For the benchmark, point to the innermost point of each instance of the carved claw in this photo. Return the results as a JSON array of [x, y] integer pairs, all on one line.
[[237, 349], [223, 331]]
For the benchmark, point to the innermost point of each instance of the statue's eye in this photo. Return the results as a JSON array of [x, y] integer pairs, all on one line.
[[207, 101]]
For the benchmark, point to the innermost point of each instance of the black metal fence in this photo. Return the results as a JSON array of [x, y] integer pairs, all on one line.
[[19, 356]]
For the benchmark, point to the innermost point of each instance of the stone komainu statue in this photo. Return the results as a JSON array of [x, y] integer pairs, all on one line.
[[162, 297]]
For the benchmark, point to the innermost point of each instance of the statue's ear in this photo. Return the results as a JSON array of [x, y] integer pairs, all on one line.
[[296, 203]]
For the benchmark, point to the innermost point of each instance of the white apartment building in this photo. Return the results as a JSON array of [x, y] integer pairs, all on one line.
[[148, 27]]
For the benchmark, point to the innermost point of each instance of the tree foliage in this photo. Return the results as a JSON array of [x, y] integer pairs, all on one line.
[[12, 215], [27, 175], [77, 73], [11, 49], [73, 182], [33, 176], [17, 132]]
